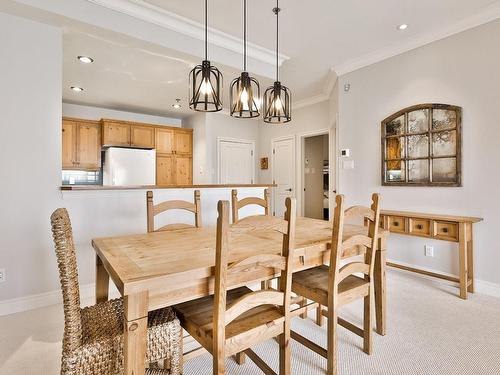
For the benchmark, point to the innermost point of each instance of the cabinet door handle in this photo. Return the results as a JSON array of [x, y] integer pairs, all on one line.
[[420, 226], [444, 230], [396, 224]]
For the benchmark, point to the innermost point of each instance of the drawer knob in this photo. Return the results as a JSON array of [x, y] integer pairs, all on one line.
[[444, 230], [420, 226], [396, 224]]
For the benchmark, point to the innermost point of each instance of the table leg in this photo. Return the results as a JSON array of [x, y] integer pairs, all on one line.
[[380, 287], [101, 281], [136, 329], [462, 258], [470, 258]]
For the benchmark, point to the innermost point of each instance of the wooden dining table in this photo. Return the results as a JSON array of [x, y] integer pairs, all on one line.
[[160, 269]]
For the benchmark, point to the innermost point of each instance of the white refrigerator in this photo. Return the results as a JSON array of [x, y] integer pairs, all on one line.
[[127, 166]]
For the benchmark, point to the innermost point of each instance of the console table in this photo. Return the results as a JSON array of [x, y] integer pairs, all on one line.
[[440, 227]]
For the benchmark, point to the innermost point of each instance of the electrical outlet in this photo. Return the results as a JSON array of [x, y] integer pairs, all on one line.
[[429, 251], [2, 275]]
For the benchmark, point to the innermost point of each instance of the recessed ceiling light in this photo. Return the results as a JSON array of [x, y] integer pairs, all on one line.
[[403, 26], [86, 59], [76, 88], [177, 105]]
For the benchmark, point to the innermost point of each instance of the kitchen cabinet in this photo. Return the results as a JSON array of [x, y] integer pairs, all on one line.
[[164, 141], [142, 136], [184, 142], [183, 170], [115, 133], [81, 144], [174, 155], [165, 170]]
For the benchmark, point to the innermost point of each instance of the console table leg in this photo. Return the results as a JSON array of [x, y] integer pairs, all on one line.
[[470, 258], [463, 250]]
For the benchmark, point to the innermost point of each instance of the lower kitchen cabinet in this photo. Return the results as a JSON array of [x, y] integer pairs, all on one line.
[[174, 170], [165, 170]]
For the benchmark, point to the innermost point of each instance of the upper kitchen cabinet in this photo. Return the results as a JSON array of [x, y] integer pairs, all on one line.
[[127, 134], [142, 136], [164, 141], [184, 141], [81, 144], [115, 133]]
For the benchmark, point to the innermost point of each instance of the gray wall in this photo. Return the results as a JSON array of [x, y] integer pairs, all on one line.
[[460, 70]]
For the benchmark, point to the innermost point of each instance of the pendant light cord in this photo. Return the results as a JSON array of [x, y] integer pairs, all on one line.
[[206, 29], [277, 39], [245, 35]]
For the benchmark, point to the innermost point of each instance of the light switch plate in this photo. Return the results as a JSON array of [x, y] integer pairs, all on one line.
[[345, 153], [2, 275], [348, 164], [429, 251]]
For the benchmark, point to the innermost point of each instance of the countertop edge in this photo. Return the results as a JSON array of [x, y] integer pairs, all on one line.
[[156, 187]]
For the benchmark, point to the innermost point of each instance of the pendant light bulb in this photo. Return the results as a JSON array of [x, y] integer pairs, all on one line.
[[206, 87], [277, 98]]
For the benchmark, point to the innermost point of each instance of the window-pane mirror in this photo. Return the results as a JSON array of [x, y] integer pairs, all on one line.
[[421, 145]]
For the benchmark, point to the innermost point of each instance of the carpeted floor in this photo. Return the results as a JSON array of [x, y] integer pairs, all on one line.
[[430, 331]]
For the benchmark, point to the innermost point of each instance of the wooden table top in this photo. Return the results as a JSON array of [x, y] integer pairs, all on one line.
[[132, 259], [420, 215]]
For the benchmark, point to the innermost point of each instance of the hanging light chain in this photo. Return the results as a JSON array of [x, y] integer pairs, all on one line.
[[245, 35]]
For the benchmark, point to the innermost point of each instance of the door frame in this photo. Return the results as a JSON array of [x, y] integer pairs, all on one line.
[[332, 165], [234, 140], [294, 152]]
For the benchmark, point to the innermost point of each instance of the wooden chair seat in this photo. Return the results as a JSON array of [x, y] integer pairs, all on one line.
[[197, 319], [313, 285]]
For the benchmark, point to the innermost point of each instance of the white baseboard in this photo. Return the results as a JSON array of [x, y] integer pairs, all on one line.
[[481, 286], [36, 301], [87, 294]]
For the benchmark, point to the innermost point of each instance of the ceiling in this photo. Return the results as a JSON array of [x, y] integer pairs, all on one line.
[[128, 74], [147, 72]]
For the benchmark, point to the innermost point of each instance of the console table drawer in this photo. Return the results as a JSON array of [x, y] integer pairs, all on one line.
[[420, 227], [446, 230], [397, 224]]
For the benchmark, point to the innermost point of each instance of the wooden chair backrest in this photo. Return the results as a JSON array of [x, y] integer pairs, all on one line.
[[154, 210], [68, 276], [223, 315], [236, 204], [339, 246]]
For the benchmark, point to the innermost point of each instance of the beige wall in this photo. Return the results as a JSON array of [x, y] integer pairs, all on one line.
[[315, 151], [461, 70]]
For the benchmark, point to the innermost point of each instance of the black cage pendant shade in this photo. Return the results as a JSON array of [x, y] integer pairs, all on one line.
[[205, 82], [277, 98], [244, 93]]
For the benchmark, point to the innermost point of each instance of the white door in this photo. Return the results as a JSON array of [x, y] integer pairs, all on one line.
[[236, 162], [283, 172]]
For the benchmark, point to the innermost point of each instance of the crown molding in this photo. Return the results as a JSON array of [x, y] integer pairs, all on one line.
[[490, 13], [310, 101], [328, 87], [160, 17]]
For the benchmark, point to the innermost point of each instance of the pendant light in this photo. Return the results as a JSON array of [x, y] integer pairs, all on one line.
[[205, 82], [277, 103], [244, 93]]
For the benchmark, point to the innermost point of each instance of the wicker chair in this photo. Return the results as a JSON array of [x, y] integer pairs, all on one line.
[[93, 336]]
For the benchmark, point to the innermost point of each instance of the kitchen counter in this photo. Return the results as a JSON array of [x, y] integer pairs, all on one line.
[[157, 187]]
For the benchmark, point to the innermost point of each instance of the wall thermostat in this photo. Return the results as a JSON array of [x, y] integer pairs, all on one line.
[[345, 153]]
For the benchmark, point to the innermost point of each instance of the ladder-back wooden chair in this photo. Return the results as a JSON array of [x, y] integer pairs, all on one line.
[[334, 286], [93, 335], [232, 321], [236, 204], [154, 210]]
